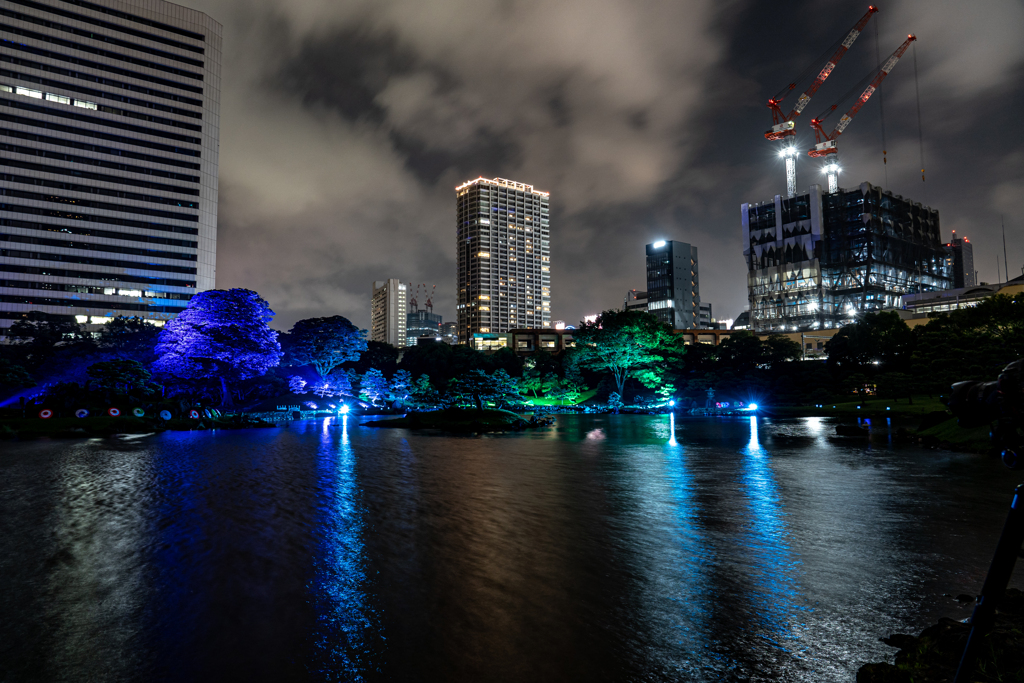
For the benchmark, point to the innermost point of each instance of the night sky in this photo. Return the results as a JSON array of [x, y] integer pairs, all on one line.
[[345, 127]]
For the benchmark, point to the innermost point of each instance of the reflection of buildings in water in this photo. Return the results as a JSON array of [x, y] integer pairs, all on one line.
[[98, 589]]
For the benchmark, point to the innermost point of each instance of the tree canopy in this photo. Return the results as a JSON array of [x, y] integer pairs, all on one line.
[[223, 334], [625, 343], [326, 343]]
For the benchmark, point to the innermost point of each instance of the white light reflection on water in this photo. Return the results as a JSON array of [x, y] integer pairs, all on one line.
[[672, 430], [773, 568], [345, 622]]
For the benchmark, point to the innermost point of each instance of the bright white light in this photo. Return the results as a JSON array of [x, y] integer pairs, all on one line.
[[343, 410], [787, 152], [814, 306], [753, 406], [659, 244], [671, 403]]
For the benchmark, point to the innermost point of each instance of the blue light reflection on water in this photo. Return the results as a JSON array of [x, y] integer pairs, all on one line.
[[348, 630], [693, 558], [774, 589]]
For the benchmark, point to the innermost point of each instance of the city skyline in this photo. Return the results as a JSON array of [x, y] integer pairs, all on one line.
[[368, 118]]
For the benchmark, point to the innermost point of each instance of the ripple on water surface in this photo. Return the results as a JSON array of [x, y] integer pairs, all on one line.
[[644, 548]]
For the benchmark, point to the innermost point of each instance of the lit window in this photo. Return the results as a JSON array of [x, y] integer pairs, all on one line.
[[28, 93], [85, 105], [484, 254], [60, 99], [484, 297]]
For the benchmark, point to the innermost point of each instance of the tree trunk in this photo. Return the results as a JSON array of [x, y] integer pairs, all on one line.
[[479, 403], [225, 394]]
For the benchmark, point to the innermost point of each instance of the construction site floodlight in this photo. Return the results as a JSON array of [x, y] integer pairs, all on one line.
[[659, 244]]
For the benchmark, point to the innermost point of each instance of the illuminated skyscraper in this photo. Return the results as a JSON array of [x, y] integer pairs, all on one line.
[[388, 312], [673, 286], [109, 128], [504, 263]]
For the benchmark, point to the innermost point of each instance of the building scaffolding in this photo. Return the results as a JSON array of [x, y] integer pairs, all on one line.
[[817, 259]]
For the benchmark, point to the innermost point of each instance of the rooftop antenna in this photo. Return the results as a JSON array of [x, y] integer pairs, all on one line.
[[1006, 268]]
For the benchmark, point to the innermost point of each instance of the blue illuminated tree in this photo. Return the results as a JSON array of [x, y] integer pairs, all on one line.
[[223, 335]]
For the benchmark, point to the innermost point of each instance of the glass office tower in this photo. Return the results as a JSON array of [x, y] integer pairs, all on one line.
[[109, 126]]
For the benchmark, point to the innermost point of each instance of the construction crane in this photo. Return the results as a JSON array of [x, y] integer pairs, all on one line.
[[430, 299], [785, 124], [828, 146], [413, 304]]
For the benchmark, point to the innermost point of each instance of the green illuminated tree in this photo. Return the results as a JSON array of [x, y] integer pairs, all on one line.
[[625, 343]]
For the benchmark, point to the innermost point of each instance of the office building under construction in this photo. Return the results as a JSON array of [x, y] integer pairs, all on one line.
[[818, 259]]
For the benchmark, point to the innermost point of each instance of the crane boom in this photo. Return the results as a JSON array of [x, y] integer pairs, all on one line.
[[785, 124], [829, 145]]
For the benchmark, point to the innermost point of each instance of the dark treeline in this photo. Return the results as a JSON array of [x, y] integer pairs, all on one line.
[[221, 351]]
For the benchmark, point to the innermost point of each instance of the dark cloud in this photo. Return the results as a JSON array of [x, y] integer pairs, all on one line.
[[346, 126]]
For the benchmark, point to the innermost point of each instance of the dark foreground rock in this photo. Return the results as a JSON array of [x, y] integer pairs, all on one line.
[[933, 656]]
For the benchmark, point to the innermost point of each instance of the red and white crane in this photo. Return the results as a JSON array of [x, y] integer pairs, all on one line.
[[785, 123], [828, 146]]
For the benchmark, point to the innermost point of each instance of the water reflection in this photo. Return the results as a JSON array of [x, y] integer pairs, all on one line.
[[773, 570], [347, 629], [754, 445]]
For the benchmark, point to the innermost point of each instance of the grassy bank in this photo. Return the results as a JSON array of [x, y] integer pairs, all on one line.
[[869, 407], [585, 396]]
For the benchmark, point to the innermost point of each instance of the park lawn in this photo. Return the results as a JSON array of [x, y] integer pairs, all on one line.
[[869, 407], [585, 396]]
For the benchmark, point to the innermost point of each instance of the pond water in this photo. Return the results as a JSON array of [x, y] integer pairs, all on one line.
[[602, 548]]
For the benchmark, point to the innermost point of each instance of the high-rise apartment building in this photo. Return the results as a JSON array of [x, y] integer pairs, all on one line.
[[961, 259], [109, 127], [819, 259], [673, 284], [388, 312], [503, 255]]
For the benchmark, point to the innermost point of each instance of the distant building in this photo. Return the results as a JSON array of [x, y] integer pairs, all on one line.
[[673, 286], [503, 256], [705, 319], [918, 308], [450, 333], [387, 312], [525, 341], [111, 117], [742, 321], [961, 260], [816, 260], [635, 301], [421, 324]]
